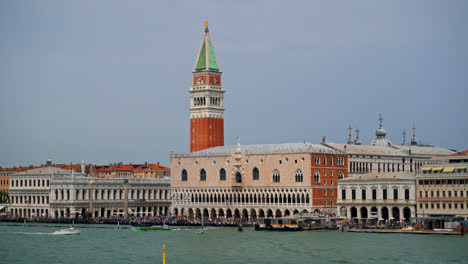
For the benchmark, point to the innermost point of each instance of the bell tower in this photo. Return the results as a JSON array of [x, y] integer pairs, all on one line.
[[206, 99]]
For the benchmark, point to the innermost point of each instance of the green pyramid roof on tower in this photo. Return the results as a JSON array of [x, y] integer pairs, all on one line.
[[206, 57]]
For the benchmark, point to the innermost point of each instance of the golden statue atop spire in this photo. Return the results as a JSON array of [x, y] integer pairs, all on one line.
[[206, 24]]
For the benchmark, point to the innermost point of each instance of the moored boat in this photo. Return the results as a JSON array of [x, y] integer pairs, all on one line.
[[152, 228]]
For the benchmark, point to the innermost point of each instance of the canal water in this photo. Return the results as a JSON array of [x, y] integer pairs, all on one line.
[[35, 243]]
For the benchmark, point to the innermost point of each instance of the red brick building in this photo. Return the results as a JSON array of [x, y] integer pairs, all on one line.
[[327, 169]]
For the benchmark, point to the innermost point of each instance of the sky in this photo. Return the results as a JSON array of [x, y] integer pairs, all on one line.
[[108, 81]]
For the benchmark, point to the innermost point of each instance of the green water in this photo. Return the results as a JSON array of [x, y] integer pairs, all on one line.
[[107, 244]]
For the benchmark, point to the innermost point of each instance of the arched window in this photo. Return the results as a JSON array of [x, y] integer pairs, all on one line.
[[222, 175], [340, 175], [255, 174], [238, 177], [202, 175], [276, 176], [299, 176], [316, 177], [331, 161], [184, 175]]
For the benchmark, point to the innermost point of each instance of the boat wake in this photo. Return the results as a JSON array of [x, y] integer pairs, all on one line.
[[29, 233]]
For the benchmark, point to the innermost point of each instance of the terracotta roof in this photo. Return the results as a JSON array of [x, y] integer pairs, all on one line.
[[151, 167]]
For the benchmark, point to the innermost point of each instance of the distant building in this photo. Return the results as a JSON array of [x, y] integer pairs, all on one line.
[[253, 181], [51, 192], [385, 195], [120, 170], [30, 191], [109, 197], [442, 187], [383, 156]]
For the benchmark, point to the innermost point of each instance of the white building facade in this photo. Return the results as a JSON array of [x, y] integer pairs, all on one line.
[[50, 192], [383, 196]]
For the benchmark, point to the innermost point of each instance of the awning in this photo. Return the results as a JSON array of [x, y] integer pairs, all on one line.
[[461, 168], [449, 169], [1, 207], [437, 169], [426, 169]]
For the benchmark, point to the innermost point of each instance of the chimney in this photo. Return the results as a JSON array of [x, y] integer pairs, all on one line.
[[146, 164], [323, 139], [83, 167], [158, 162]]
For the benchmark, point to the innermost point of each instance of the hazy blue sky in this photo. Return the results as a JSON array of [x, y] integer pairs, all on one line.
[[108, 81]]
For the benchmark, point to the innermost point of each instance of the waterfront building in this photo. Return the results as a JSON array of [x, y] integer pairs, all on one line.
[[382, 156], [206, 99], [30, 191], [256, 180], [108, 197], [442, 187], [384, 195], [53, 192]]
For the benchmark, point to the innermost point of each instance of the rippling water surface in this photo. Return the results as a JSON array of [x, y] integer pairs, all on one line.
[[107, 244]]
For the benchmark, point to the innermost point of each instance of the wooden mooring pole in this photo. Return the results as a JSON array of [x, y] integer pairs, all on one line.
[[164, 254]]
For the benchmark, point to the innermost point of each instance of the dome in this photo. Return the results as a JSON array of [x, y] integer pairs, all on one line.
[[380, 132]]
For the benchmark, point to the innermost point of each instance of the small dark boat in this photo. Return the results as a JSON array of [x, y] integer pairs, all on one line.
[[239, 228]]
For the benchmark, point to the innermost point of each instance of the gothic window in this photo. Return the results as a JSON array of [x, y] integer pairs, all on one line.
[[324, 161], [331, 161], [340, 175], [299, 176], [255, 174], [222, 175], [202, 175], [238, 177], [316, 177], [184, 175], [317, 160], [276, 176]]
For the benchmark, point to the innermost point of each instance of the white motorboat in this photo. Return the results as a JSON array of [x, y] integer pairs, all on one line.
[[68, 231]]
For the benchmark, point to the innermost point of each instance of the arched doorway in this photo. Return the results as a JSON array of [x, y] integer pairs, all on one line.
[[205, 213], [278, 213], [296, 212], [198, 213], [396, 213], [287, 213], [343, 212], [229, 213], [353, 212], [364, 213], [213, 213], [176, 211], [253, 214], [385, 213], [406, 213], [236, 213], [245, 214], [374, 212], [269, 213], [221, 213], [261, 213], [190, 212]]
